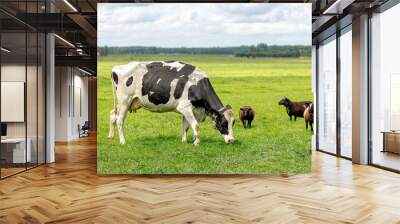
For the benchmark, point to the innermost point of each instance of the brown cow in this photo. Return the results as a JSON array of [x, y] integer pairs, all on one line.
[[247, 115], [295, 109], [309, 116]]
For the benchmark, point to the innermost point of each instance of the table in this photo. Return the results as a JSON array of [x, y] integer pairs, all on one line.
[[16, 147], [391, 141]]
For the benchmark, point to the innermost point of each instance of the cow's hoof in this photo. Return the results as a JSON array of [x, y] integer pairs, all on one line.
[[184, 140], [110, 137], [122, 142], [196, 142]]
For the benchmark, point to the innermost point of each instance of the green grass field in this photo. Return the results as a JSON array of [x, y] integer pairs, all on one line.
[[274, 145]]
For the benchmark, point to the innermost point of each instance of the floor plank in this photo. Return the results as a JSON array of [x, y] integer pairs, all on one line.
[[70, 191]]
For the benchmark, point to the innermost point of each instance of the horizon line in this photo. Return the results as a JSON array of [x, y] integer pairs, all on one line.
[[308, 45]]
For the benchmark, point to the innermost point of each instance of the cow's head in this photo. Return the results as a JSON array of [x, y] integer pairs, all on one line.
[[224, 122], [245, 111], [284, 101], [311, 108]]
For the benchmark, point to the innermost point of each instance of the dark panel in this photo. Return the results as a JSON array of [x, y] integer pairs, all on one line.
[[86, 62], [49, 22], [331, 30]]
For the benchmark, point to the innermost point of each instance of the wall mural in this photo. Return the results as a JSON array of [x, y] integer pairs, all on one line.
[[207, 89]]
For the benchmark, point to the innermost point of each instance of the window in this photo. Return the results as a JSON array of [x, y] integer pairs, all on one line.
[[327, 96], [385, 89], [22, 78], [346, 92]]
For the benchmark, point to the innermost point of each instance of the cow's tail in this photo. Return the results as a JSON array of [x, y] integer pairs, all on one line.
[[114, 93]]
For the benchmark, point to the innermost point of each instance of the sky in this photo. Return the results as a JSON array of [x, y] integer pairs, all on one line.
[[203, 25]]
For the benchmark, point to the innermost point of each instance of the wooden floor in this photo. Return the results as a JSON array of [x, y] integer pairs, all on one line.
[[387, 159], [70, 191], [11, 170]]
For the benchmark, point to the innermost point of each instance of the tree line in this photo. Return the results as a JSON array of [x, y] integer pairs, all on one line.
[[259, 50]]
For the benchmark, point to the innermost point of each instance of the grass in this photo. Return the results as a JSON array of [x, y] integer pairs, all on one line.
[[274, 145]]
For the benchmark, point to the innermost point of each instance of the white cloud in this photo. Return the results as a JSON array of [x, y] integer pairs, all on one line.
[[195, 25]]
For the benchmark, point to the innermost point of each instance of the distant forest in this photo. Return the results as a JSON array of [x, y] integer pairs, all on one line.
[[249, 51]]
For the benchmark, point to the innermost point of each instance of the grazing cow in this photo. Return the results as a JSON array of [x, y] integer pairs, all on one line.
[[168, 86], [247, 115], [295, 109], [309, 116]]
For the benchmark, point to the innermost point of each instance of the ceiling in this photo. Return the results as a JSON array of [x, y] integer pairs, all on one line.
[[331, 15], [75, 21]]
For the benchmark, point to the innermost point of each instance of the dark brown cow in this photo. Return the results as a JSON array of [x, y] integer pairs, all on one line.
[[247, 115], [295, 109], [309, 116]]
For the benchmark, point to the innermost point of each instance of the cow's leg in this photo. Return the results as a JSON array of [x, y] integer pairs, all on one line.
[[306, 125], [185, 127], [244, 123], [249, 123], [295, 118], [311, 126], [188, 114], [113, 119], [123, 108]]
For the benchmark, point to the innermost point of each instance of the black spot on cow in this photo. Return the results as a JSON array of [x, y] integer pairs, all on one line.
[[183, 76], [129, 81], [157, 81], [222, 124], [203, 95], [115, 78]]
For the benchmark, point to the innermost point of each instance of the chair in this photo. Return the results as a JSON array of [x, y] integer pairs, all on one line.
[[84, 130]]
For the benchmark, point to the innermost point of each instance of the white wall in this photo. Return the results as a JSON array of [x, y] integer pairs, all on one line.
[[14, 72], [33, 126], [79, 117], [70, 83], [62, 81]]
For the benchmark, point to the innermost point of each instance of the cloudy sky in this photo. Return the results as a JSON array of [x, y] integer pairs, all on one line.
[[203, 25]]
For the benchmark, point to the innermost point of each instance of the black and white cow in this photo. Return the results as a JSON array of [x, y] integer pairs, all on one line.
[[168, 86]]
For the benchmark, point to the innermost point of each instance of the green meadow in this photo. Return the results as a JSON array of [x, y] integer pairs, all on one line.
[[274, 145]]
